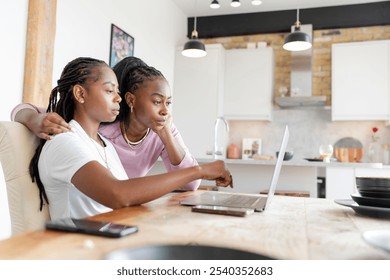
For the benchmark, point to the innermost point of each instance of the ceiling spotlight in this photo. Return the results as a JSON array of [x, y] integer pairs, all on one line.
[[297, 40], [256, 2], [235, 3], [214, 4]]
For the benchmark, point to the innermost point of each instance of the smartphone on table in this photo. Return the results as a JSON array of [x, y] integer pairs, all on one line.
[[106, 229], [223, 210]]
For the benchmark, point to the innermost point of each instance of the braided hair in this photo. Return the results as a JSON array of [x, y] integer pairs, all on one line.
[[79, 71], [131, 73]]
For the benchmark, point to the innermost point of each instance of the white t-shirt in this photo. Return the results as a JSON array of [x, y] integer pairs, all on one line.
[[61, 158]]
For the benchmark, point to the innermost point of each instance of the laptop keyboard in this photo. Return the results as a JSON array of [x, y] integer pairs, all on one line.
[[240, 201], [229, 200]]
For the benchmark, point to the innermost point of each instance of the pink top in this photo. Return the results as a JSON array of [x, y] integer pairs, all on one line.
[[139, 159]]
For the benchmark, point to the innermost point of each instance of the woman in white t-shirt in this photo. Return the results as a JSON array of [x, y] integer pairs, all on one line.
[[79, 172]]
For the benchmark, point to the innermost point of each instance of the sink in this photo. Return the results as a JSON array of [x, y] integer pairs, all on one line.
[[182, 252]]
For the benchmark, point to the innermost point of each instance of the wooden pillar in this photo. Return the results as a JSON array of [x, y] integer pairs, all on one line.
[[38, 68]]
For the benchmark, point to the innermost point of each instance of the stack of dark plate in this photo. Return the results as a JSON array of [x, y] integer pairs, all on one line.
[[372, 197], [373, 191]]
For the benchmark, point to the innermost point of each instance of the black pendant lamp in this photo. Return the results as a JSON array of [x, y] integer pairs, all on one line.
[[215, 4], [235, 3], [194, 47], [297, 40]]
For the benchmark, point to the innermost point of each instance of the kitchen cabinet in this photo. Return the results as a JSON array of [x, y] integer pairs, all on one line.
[[341, 181], [248, 84], [197, 97], [360, 81]]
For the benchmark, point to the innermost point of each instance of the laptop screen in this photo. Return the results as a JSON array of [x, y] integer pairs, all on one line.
[[278, 166], [227, 199]]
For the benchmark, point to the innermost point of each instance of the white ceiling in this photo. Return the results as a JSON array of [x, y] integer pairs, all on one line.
[[202, 7]]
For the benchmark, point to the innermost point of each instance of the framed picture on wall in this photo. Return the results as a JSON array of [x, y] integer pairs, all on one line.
[[121, 45]]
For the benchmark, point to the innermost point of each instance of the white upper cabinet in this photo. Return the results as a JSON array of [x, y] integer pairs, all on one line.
[[360, 81], [248, 84], [197, 98]]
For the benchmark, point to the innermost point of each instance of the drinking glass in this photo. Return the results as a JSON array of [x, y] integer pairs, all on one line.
[[326, 152]]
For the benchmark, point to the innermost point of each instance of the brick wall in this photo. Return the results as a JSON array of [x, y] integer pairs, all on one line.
[[321, 61]]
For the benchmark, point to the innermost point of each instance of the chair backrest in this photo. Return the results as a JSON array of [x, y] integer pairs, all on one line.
[[17, 147], [5, 222]]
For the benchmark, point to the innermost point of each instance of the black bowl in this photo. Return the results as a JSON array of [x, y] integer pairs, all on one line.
[[373, 181], [287, 155], [373, 188], [182, 252]]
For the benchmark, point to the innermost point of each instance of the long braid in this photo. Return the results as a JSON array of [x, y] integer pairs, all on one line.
[[132, 72], [61, 101]]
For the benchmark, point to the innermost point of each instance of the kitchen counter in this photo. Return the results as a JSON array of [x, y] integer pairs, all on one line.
[[300, 177], [297, 176], [291, 228], [298, 162]]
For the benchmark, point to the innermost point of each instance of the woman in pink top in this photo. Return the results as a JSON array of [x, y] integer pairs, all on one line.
[[141, 133]]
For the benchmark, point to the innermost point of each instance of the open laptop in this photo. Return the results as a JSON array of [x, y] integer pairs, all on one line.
[[236, 200]]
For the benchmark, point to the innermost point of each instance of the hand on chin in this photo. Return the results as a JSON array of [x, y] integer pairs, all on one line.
[[161, 129]]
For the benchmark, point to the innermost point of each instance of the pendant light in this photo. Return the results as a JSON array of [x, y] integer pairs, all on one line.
[[256, 2], [297, 40], [235, 3], [194, 47], [215, 4]]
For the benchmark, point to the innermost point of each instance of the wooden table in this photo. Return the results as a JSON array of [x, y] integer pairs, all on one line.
[[291, 228]]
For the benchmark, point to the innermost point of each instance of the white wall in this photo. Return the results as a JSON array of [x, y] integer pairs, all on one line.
[[84, 26], [13, 25]]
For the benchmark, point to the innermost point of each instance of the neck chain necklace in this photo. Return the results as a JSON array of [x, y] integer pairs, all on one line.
[[131, 142], [99, 147]]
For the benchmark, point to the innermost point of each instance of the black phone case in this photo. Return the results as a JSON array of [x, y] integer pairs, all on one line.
[[91, 227]]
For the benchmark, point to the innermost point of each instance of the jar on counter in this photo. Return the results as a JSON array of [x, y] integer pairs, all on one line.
[[233, 151], [375, 152]]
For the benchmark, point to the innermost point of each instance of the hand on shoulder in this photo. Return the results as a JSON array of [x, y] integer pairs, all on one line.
[[47, 124]]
